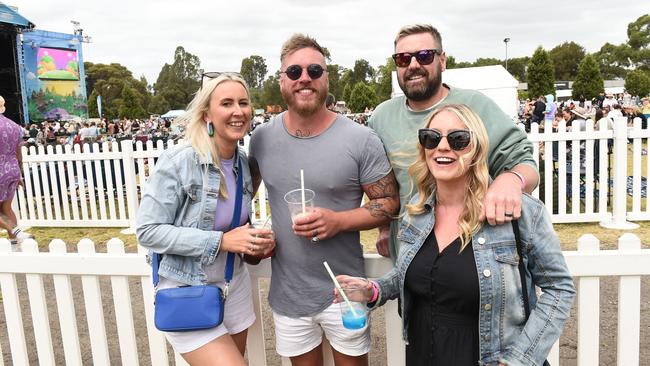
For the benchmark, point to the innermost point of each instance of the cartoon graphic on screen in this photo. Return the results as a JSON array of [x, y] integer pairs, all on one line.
[[57, 64]]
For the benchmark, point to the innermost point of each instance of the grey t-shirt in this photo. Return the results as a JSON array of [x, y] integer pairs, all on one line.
[[336, 163]]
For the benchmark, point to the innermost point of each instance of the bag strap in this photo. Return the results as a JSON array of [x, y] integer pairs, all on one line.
[[522, 269], [230, 261]]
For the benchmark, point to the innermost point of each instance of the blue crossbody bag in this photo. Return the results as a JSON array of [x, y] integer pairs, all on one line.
[[187, 308]]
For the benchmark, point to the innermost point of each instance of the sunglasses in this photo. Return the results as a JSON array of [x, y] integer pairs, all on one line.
[[457, 140], [424, 57], [294, 72], [216, 74]]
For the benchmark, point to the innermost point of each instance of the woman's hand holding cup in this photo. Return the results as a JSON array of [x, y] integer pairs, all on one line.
[[364, 294]]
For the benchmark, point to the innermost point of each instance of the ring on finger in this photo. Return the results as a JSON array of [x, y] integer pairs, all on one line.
[[508, 214]]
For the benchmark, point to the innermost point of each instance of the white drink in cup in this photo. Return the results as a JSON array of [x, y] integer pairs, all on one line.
[[294, 200]]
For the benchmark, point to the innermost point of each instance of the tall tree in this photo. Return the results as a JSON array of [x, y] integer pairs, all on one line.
[[451, 62], [637, 82], [271, 94], [483, 61], [613, 60], [362, 97], [179, 81], [384, 85], [253, 70], [566, 58], [638, 33], [517, 67], [540, 74], [588, 82], [334, 74], [109, 82], [347, 92], [362, 72], [131, 106]]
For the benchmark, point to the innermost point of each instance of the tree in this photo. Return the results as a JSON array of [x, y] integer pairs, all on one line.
[[486, 62], [638, 33], [347, 91], [271, 94], [362, 97], [565, 59], [637, 82], [451, 62], [540, 74], [517, 67], [179, 81], [253, 70], [131, 106], [109, 82], [362, 72], [158, 105], [613, 60], [384, 85], [334, 75], [588, 82]]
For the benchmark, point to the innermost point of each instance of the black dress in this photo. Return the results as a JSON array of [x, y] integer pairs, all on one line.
[[443, 325]]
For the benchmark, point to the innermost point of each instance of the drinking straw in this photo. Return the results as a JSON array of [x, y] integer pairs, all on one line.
[[338, 287], [302, 188]]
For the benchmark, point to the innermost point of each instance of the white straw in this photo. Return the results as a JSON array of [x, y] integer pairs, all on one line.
[[338, 287], [302, 188]]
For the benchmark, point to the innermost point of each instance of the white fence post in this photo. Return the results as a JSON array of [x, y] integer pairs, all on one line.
[[619, 195], [588, 307], [130, 183], [629, 308]]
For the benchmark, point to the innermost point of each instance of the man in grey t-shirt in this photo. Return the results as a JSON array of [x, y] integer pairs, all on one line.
[[341, 161]]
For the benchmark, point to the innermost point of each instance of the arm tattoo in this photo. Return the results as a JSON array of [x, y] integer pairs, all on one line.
[[383, 197]]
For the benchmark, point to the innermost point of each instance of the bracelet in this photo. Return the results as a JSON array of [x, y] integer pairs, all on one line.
[[520, 176], [375, 291]]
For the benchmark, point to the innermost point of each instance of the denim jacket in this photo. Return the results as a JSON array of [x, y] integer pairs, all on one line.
[[504, 336], [177, 212]]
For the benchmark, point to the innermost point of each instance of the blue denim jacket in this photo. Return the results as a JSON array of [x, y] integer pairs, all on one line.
[[177, 211], [504, 337]]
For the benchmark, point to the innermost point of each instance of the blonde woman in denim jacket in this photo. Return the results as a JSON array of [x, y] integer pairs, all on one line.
[[457, 278], [186, 212]]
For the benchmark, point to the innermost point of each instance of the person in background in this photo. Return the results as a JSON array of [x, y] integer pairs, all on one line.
[[457, 278], [330, 102], [645, 111], [187, 210], [10, 176]]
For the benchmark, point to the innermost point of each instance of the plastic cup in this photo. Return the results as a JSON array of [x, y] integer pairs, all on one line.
[[358, 318], [294, 202]]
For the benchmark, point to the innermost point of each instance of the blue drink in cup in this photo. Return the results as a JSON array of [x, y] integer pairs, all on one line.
[[358, 318]]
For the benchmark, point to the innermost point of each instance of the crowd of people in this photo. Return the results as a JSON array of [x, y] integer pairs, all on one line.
[[424, 162]]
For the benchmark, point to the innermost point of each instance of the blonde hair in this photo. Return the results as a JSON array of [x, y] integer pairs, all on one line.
[[417, 29], [196, 133], [477, 172], [297, 42]]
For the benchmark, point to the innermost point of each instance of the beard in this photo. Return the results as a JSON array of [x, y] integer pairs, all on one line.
[[424, 91], [305, 108]]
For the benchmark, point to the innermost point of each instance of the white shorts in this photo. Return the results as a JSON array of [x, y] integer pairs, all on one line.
[[238, 316], [297, 336]]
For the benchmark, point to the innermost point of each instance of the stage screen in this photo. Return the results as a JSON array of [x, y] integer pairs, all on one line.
[[57, 64]]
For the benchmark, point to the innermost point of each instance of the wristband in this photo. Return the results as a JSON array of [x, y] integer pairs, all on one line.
[[375, 292], [520, 176]]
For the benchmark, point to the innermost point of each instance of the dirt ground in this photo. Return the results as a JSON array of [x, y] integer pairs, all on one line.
[[568, 341]]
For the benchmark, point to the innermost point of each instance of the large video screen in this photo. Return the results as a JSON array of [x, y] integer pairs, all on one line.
[[57, 64]]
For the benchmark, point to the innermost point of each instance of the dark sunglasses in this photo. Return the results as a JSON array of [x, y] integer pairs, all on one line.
[[294, 72], [457, 140], [216, 74], [424, 57]]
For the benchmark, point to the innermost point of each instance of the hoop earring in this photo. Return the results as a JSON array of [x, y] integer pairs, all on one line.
[[210, 128]]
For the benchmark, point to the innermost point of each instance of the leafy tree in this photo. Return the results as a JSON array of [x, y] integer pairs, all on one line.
[[517, 67], [637, 82], [362, 97], [158, 105], [565, 59], [613, 60], [588, 82], [109, 81], [334, 74], [347, 91], [131, 106], [271, 94], [451, 62], [486, 62], [540, 74], [638, 32], [179, 81], [384, 86], [362, 72], [253, 70]]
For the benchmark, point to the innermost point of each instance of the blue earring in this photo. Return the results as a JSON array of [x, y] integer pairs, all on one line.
[[210, 128]]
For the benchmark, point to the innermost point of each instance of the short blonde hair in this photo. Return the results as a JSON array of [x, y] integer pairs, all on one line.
[[297, 42], [477, 172], [196, 132], [417, 29]]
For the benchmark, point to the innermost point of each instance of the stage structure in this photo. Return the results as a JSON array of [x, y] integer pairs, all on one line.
[[44, 80]]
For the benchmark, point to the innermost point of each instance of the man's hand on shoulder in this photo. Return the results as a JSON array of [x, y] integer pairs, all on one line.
[[502, 202]]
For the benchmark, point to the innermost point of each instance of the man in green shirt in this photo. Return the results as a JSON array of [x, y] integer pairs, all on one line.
[[420, 62]]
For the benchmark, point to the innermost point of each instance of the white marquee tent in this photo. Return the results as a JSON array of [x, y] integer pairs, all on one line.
[[493, 81]]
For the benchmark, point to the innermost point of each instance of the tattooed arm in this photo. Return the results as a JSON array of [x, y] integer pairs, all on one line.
[[382, 206]]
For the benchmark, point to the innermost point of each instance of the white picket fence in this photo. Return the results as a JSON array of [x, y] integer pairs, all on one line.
[[100, 186], [588, 264]]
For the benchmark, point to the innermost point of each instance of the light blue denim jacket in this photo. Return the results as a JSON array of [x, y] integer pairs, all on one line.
[[177, 212], [504, 337]]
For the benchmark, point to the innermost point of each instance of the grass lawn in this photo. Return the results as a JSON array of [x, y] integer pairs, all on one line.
[[569, 234]]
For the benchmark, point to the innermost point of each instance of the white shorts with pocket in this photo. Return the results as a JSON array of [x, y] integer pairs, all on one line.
[[297, 336], [238, 315]]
